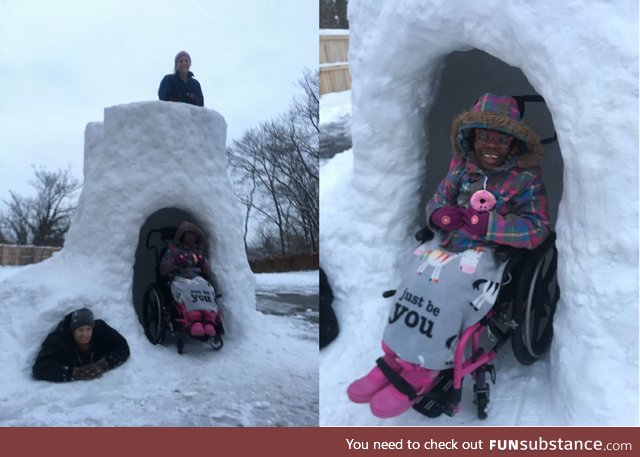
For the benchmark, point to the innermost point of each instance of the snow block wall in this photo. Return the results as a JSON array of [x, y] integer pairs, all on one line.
[[582, 57], [146, 158]]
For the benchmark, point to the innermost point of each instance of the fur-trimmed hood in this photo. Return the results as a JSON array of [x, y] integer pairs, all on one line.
[[498, 113], [189, 227]]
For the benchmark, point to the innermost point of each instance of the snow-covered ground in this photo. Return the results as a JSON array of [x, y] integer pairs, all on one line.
[[270, 379], [9, 270]]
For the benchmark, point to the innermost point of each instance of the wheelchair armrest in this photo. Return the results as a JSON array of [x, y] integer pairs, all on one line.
[[504, 253], [424, 234]]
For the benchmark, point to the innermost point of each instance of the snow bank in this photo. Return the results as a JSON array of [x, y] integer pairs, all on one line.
[[588, 76]]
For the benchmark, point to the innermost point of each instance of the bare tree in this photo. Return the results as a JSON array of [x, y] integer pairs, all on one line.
[[251, 159], [308, 106], [333, 14], [278, 165], [45, 218], [341, 12], [328, 15], [18, 218]]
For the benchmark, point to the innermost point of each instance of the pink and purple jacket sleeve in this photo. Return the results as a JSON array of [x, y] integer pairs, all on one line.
[[447, 193], [526, 224], [520, 218]]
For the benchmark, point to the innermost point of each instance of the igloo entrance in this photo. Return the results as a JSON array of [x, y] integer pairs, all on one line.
[[464, 77], [145, 261]]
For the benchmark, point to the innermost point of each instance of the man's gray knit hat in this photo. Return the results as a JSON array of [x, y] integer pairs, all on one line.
[[83, 316]]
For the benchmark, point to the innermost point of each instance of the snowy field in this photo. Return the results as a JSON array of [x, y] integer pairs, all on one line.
[[267, 380], [8, 271]]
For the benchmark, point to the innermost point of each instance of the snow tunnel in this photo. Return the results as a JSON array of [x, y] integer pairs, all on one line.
[[145, 260], [415, 65], [456, 92]]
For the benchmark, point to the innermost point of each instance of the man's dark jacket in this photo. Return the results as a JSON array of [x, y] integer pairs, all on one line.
[[59, 356]]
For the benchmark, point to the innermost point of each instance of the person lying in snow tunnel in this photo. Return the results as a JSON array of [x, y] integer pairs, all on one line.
[[492, 195], [80, 348]]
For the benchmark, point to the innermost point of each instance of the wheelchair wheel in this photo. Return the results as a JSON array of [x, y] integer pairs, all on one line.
[[154, 319], [216, 342], [534, 306]]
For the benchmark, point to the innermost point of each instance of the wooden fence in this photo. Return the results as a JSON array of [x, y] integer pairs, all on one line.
[[334, 63], [24, 255], [292, 263]]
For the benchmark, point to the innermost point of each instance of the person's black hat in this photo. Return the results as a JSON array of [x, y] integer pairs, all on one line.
[[80, 317]]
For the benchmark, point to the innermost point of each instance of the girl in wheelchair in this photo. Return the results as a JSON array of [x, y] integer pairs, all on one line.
[[492, 195], [184, 261]]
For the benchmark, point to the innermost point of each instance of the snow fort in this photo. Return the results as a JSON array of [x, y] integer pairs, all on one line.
[[148, 165], [414, 66], [153, 165]]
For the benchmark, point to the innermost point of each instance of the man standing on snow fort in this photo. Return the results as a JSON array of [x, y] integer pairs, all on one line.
[[80, 348]]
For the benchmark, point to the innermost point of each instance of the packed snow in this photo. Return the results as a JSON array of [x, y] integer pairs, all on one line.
[[267, 379], [372, 196], [151, 165]]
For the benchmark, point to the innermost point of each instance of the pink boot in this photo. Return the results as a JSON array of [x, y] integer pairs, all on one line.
[[361, 390], [209, 329], [207, 321], [197, 329], [390, 402]]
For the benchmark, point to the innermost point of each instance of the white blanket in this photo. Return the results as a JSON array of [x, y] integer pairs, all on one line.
[[195, 294]]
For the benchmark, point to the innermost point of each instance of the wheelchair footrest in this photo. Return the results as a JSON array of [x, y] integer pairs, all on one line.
[[443, 398]]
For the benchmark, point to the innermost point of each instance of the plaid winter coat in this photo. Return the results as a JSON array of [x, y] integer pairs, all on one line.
[[187, 262], [520, 217]]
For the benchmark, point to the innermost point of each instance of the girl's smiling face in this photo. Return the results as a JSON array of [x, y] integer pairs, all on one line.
[[491, 148]]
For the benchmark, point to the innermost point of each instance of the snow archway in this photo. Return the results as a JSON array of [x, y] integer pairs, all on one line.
[[145, 259], [588, 76]]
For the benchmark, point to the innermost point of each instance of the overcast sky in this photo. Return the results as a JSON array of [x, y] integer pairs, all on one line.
[[62, 62]]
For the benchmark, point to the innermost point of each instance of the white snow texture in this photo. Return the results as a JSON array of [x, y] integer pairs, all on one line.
[[582, 57], [151, 157]]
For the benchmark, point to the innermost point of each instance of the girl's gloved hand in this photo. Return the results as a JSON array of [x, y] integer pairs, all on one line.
[[448, 218], [475, 222], [179, 260]]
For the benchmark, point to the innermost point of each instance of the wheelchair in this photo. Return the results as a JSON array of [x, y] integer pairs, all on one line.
[[161, 312], [523, 313]]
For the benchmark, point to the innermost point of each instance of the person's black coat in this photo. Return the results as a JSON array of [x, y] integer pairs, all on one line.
[[58, 356], [174, 89]]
